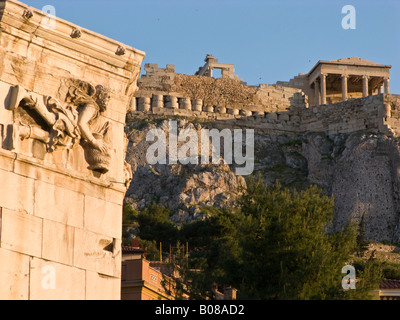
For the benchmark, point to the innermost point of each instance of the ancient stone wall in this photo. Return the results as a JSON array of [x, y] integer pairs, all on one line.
[[157, 79], [345, 117], [369, 113], [212, 93], [64, 93], [392, 112]]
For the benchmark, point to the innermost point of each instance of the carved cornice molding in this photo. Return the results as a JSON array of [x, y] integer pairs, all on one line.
[[27, 23]]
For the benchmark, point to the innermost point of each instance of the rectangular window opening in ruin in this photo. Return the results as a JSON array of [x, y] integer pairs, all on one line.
[[217, 73]]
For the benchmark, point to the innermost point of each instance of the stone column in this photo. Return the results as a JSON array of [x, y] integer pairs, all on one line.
[[380, 89], [365, 86], [386, 85], [132, 104], [344, 87], [185, 103], [316, 87], [157, 101], [171, 102], [323, 88], [246, 113], [233, 111], [220, 109], [143, 104], [197, 105]]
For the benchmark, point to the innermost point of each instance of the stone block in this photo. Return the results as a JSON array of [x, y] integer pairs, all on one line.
[[102, 287], [6, 160], [67, 206], [21, 232], [97, 253], [246, 113], [6, 115], [220, 109], [55, 281], [233, 111], [14, 275], [171, 102], [103, 217], [17, 192], [58, 242]]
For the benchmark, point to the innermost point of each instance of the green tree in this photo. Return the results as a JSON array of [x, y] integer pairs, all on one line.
[[287, 250], [276, 244], [362, 244], [129, 218], [154, 225], [214, 251]]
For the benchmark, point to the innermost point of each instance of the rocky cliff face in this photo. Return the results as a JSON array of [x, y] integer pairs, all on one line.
[[359, 169], [184, 189]]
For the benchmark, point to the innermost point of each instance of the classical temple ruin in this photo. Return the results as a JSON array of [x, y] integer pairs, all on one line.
[[227, 69], [326, 99], [339, 80]]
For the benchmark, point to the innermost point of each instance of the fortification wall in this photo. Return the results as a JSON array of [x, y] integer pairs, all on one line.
[[392, 113], [169, 105], [348, 116], [213, 92], [370, 113]]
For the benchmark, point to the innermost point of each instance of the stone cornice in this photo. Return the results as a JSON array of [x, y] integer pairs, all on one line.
[[31, 28], [52, 169], [342, 62]]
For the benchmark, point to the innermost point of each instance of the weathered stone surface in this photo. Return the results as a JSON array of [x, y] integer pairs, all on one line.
[[296, 160], [65, 94], [67, 207], [58, 242], [103, 217], [21, 232], [14, 275], [98, 253], [17, 192], [55, 281], [102, 287]]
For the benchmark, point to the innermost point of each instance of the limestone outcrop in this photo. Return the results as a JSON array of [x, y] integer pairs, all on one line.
[[182, 188]]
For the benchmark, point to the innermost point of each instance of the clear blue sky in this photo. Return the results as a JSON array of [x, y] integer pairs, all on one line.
[[267, 41]]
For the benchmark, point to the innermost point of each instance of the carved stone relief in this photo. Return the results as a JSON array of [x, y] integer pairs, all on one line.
[[64, 124]]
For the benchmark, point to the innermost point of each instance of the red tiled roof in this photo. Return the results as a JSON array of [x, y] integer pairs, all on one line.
[[390, 284], [126, 249]]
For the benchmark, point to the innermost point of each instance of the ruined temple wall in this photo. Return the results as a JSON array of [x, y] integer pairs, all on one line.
[[157, 79], [170, 105], [213, 92], [370, 113], [60, 221]]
